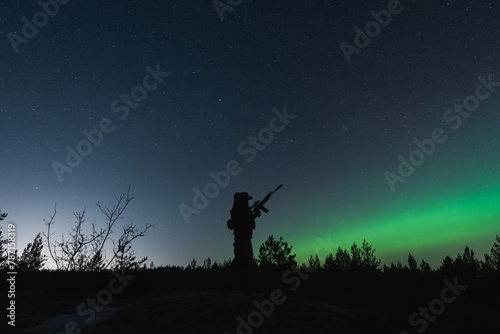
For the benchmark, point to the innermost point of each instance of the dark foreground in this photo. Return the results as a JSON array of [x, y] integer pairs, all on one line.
[[280, 301]]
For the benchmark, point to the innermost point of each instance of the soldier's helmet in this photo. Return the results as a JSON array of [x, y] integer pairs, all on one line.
[[241, 201]]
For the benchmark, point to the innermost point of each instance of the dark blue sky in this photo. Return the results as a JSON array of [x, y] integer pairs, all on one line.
[[351, 121]]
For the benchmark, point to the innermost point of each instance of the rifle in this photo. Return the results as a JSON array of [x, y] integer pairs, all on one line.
[[259, 205]]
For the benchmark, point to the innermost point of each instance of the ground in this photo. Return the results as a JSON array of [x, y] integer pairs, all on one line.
[[161, 303]]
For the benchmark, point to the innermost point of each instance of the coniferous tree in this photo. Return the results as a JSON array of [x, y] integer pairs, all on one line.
[[3, 215], [276, 253], [32, 258], [469, 261], [207, 263], [314, 262], [458, 262], [192, 265], [487, 266], [329, 263], [368, 259], [398, 267], [425, 267], [226, 264], [447, 265], [412, 263], [356, 260], [494, 257], [342, 259], [125, 258], [3, 250]]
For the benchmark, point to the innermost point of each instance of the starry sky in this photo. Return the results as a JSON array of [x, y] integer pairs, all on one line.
[[278, 92]]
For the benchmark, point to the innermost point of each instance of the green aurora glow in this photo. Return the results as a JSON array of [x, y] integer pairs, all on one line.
[[452, 200], [424, 225]]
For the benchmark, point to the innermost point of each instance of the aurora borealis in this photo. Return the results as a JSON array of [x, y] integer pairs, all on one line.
[[225, 81]]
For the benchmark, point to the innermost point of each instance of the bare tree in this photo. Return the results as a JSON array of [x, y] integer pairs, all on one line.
[[123, 255], [74, 253], [87, 252]]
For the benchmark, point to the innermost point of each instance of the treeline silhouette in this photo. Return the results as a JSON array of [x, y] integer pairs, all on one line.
[[276, 254], [381, 296], [351, 278]]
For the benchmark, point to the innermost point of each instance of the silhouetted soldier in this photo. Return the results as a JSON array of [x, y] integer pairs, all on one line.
[[242, 222]]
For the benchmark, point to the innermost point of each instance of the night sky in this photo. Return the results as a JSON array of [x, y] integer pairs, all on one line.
[[270, 94]]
